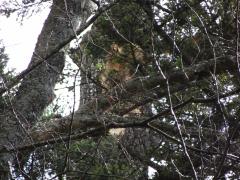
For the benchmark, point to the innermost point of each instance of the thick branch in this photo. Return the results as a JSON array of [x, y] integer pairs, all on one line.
[[90, 114], [102, 130], [143, 85]]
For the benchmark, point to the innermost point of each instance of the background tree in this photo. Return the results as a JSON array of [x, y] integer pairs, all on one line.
[[187, 93]]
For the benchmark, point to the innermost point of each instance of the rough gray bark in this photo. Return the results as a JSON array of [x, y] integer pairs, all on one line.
[[86, 116], [87, 88], [36, 89], [38, 85], [91, 114], [88, 74]]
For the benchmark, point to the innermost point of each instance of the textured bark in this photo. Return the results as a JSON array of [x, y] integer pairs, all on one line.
[[91, 114], [88, 115], [143, 85], [38, 85], [36, 89], [88, 74]]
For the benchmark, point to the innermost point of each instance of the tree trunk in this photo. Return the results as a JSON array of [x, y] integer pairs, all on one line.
[[36, 91]]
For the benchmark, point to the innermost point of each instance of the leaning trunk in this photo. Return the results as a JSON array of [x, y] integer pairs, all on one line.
[[36, 91]]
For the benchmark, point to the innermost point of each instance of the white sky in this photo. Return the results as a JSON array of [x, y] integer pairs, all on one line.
[[20, 39]]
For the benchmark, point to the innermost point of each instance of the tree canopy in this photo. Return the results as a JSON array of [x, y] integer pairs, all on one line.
[[159, 92]]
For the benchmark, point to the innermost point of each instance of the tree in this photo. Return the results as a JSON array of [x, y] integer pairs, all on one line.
[[185, 89]]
